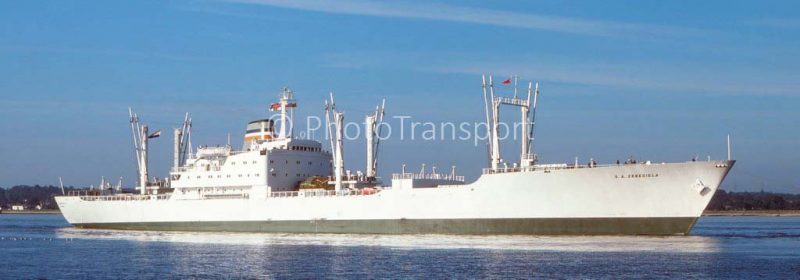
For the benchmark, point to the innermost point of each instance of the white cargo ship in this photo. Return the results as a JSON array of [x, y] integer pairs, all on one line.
[[280, 183]]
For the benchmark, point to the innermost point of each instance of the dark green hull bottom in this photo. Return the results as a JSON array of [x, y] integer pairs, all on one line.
[[538, 226]]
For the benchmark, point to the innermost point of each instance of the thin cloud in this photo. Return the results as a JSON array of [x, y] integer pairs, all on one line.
[[443, 12], [783, 23], [107, 52], [629, 75]]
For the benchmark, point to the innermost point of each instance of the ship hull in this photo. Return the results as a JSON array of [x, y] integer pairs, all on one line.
[[545, 226], [635, 199]]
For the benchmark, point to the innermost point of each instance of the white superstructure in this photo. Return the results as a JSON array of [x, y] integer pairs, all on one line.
[[278, 183]]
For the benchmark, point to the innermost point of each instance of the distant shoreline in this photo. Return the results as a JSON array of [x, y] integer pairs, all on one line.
[[19, 212], [753, 213]]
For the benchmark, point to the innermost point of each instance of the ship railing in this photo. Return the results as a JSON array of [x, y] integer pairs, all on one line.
[[530, 157], [83, 193], [511, 101], [359, 178], [324, 193], [193, 167], [180, 169], [88, 196], [549, 167], [431, 176], [227, 196]]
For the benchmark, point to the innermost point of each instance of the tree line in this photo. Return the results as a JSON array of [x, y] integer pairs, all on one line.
[[738, 201], [31, 196]]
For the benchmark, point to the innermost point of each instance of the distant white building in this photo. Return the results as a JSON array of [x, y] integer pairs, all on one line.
[[17, 207]]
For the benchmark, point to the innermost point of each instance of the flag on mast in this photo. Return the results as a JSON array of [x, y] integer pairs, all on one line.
[[277, 106], [507, 81], [274, 106]]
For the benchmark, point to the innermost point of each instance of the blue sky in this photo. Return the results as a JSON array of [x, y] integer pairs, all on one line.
[[660, 80]]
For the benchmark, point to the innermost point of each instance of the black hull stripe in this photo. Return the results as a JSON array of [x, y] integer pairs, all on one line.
[[544, 226]]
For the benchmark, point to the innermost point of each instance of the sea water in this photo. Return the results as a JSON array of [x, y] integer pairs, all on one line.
[[46, 247]]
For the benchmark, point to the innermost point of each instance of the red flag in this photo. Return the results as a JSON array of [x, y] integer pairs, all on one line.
[[274, 106], [507, 81]]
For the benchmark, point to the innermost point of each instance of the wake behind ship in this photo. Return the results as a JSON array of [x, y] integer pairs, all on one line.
[[280, 183]]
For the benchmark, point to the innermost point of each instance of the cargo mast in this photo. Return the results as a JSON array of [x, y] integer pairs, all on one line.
[[141, 136], [373, 133], [337, 145], [527, 157], [181, 141], [495, 126]]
